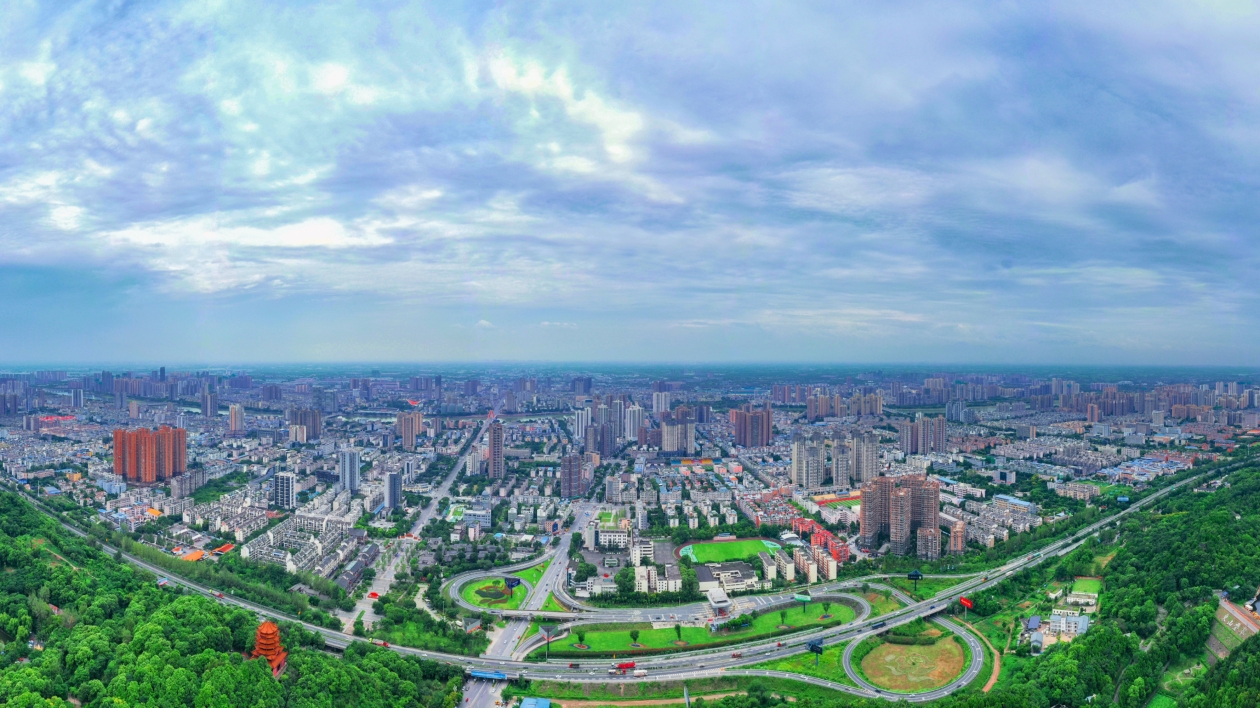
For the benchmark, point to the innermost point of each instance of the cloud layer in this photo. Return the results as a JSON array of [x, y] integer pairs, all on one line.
[[229, 180]]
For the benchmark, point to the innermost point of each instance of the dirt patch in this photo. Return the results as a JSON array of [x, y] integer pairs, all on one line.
[[914, 667]]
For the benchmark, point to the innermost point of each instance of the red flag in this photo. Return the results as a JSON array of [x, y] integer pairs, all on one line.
[[966, 602]]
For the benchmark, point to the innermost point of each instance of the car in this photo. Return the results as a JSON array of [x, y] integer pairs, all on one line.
[[502, 663]]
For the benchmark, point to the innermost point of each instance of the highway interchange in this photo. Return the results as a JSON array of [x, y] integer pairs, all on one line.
[[699, 663]]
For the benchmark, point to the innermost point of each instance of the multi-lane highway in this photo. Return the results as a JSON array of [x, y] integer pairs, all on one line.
[[713, 662]]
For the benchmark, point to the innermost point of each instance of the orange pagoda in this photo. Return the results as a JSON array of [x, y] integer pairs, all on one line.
[[267, 645]]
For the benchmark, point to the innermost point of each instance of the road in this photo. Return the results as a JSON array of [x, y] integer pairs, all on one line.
[[701, 663]]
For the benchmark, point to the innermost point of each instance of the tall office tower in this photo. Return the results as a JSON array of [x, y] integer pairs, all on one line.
[[393, 491], [660, 402], [409, 471], [607, 441], [617, 416], [271, 392], [236, 418], [590, 439], [348, 470], [634, 419], [865, 458], [76, 398], [678, 435], [162, 373], [408, 426], [581, 421], [309, 418], [582, 385], [284, 490], [498, 467], [570, 476], [209, 404]]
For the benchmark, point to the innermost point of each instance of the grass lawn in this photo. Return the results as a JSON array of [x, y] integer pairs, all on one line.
[[1181, 674], [605, 517], [1162, 700], [912, 667], [534, 574], [881, 605], [1087, 585], [492, 594], [551, 605], [618, 640], [830, 664], [719, 551], [928, 587]]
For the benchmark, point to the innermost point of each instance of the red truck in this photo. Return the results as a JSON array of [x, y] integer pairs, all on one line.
[[219, 595], [737, 655], [621, 668]]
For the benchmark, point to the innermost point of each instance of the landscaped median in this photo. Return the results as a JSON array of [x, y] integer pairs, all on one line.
[[830, 664], [608, 639], [648, 689]]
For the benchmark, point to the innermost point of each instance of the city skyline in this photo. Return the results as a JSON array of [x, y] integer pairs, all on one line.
[[891, 184]]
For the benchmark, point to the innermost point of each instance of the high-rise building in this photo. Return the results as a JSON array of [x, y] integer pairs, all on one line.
[[634, 419], [348, 470], [678, 435], [617, 416], [271, 392], [498, 467], [236, 418], [76, 398], [896, 507], [808, 468], [393, 491], [660, 402], [284, 490], [865, 458], [590, 439], [582, 419], [309, 418], [571, 476], [209, 404], [408, 426], [582, 385], [753, 426], [148, 456]]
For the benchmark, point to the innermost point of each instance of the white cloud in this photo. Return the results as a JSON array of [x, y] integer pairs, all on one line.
[[330, 78], [66, 218]]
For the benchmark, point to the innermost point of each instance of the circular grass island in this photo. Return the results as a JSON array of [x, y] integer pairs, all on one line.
[[493, 594]]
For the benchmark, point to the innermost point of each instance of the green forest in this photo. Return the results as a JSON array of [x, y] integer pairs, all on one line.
[[78, 625]]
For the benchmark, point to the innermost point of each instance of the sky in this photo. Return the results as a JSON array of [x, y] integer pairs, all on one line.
[[723, 182]]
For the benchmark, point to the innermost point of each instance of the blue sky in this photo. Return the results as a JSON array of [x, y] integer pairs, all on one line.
[[240, 182]]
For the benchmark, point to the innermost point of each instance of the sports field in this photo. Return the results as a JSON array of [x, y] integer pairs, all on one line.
[[493, 593], [719, 551], [1087, 585], [914, 667], [618, 640]]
